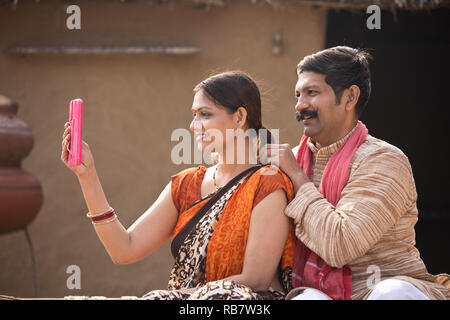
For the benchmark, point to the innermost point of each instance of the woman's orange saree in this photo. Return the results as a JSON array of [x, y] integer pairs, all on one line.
[[215, 248]]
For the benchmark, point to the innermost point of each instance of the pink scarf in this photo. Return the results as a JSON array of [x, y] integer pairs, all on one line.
[[310, 270]]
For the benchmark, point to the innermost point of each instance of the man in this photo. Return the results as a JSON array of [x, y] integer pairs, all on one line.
[[355, 207]]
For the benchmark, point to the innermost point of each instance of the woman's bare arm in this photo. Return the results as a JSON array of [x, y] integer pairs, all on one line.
[[147, 234], [154, 227], [267, 236]]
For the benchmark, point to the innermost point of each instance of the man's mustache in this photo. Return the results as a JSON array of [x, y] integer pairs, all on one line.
[[300, 115]]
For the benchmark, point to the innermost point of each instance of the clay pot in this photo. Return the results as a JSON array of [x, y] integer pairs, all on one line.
[[20, 193]]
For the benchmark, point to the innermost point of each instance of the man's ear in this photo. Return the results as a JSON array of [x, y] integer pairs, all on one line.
[[241, 117], [351, 96]]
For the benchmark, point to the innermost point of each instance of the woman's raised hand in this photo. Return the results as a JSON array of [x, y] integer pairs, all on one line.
[[87, 161]]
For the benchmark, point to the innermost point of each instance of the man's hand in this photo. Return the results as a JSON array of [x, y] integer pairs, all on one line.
[[282, 156]]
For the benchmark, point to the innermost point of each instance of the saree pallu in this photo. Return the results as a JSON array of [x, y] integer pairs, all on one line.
[[215, 248]]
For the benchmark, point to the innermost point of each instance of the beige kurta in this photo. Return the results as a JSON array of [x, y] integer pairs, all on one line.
[[372, 226]]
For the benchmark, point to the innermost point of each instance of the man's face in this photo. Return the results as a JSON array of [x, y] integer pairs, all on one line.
[[316, 108]]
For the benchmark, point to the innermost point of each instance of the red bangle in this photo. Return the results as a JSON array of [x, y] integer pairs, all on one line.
[[90, 215], [104, 216]]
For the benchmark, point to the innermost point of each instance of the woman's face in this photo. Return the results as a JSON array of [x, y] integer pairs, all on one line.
[[210, 123]]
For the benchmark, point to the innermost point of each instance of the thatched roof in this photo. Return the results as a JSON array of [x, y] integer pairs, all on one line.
[[337, 4]]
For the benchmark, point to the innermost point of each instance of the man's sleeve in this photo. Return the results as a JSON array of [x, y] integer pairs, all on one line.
[[377, 194]]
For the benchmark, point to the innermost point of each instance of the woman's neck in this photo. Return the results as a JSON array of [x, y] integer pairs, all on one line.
[[223, 173], [228, 168], [238, 153]]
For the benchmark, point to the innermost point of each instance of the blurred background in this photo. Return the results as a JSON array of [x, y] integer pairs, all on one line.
[[135, 63]]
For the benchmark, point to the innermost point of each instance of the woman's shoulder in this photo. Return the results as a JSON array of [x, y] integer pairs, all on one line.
[[273, 174], [271, 178]]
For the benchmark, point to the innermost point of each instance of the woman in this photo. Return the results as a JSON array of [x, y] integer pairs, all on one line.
[[235, 249]]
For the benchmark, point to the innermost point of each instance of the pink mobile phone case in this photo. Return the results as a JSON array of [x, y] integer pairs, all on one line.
[[76, 124]]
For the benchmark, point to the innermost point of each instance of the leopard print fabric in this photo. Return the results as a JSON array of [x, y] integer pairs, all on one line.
[[225, 290], [189, 269], [214, 290], [166, 295], [190, 264]]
